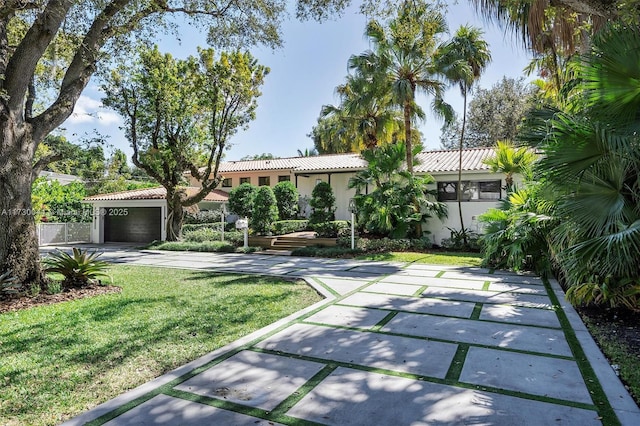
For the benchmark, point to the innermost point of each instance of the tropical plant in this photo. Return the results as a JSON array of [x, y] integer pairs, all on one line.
[[511, 160], [591, 170], [79, 269], [9, 284], [241, 199], [466, 56], [308, 152], [516, 236], [265, 210], [397, 200], [323, 203], [403, 60], [287, 200]]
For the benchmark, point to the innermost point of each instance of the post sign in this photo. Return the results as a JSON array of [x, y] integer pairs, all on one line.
[[242, 224], [352, 205]]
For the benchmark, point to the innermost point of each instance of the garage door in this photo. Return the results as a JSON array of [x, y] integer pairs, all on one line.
[[132, 224]]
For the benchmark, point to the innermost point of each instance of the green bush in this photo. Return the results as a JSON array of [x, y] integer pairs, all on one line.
[[286, 199], [387, 244], [288, 226], [456, 241], [241, 199], [190, 227], [209, 234], [79, 269], [318, 251], [333, 229], [265, 210], [202, 216], [206, 246], [323, 203]]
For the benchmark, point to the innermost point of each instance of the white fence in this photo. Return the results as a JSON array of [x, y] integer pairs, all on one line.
[[63, 233]]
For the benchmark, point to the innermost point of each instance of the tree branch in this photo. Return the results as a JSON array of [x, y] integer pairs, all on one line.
[[44, 162]]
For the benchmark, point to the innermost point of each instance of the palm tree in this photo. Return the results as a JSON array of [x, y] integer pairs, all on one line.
[[591, 168], [365, 111], [466, 56], [510, 161], [308, 152], [403, 61]]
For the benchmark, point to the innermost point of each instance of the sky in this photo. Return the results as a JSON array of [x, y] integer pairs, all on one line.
[[304, 74]]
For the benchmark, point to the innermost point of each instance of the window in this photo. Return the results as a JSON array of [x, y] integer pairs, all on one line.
[[284, 178], [264, 181], [245, 180], [226, 183], [471, 190]]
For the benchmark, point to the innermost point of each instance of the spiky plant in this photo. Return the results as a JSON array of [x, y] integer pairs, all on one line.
[[79, 269], [9, 283]]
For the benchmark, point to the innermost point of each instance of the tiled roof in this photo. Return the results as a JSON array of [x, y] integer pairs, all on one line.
[[447, 161], [297, 164], [157, 193]]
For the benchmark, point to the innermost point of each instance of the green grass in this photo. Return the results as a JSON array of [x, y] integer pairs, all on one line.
[[60, 360], [440, 258]]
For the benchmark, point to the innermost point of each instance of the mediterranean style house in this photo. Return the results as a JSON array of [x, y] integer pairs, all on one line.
[[139, 215]]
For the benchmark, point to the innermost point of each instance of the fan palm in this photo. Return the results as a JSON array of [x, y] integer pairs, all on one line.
[[592, 169], [511, 160], [403, 61]]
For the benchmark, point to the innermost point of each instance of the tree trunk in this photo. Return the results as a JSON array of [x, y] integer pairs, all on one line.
[[18, 240], [175, 216], [460, 146], [407, 136]]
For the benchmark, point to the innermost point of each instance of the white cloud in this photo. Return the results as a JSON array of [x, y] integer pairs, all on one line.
[[89, 110]]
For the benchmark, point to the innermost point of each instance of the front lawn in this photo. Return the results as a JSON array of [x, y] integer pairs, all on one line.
[[437, 258], [59, 360]]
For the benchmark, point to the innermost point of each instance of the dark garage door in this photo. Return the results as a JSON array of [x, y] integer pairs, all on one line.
[[132, 224]]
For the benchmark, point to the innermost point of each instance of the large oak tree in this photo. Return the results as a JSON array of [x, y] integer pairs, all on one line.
[[49, 50]]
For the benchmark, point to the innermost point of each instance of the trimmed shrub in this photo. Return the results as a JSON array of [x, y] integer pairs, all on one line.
[[286, 199], [387, 244], [322, 203], [265, 210], [209, 234], [333, 229], [316, 251], [207, 246], [203, 216], [288, 226], [190, 227], [241, 199]]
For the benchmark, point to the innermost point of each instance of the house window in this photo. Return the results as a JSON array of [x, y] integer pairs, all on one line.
[[264, 181], [245, 180], [471, 190], [226, 183], [284, 178]]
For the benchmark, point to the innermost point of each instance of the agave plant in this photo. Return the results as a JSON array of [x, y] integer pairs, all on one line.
[[9, 283], [79, 269]]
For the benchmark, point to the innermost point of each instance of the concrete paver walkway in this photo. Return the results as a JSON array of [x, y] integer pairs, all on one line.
[[392, 344]]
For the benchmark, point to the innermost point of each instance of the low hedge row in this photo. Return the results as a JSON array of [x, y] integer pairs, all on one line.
[[387, 244], [281, 227], [206, 246]]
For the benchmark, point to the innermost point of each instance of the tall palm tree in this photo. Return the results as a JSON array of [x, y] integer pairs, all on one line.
[[466, 56], [403, 61]]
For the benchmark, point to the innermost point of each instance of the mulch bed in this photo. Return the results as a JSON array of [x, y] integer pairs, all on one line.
[[25, 302]]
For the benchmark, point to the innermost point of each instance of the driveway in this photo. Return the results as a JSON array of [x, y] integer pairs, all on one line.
[[391, 344]]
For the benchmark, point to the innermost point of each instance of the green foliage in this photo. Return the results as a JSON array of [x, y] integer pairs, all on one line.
[[399, 200], [211, 234], [84, 158], [322, 203], [591, 170], [241, 199], [203, 216], [263, 156], [265, 210], [517, 235], [465, 239], [281, 227], [372, 245], [9, 284], [189, 227], [287, 200], [511, 160], [55, 202], [318, 251], [204, 246], [333, 229], [79, 269], [494, 114]]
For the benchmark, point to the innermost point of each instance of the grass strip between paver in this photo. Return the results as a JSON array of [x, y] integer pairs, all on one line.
[[455, 369], [477, 310], [440, 274], [486, 285], [598, 395], [326, 287], [384, 321], [420, 290]]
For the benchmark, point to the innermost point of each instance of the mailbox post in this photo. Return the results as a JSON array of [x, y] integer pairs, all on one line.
[[223, 213], [352, 209], [244, 225]]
